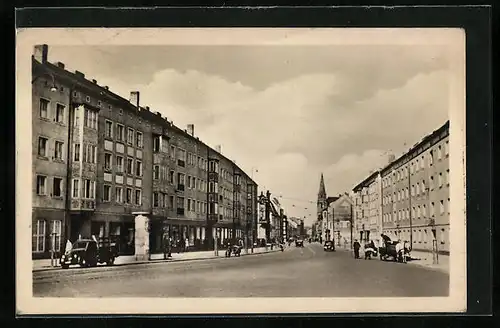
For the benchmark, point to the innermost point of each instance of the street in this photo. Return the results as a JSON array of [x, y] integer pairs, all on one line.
[[297, 272]]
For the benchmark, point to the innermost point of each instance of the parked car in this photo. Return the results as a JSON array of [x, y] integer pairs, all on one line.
[[299, 243], [329, 246], [89, 252]]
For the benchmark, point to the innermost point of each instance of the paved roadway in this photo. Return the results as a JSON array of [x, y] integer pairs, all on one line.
[[297, 272]]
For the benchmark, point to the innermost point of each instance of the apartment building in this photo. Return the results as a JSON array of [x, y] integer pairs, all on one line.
[[367, 214], [416, 195], [98, 158]]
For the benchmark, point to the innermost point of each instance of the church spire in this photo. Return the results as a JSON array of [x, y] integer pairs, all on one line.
[[322, 190]]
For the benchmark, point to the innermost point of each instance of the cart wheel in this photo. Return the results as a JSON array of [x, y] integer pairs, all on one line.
[[83, 263]]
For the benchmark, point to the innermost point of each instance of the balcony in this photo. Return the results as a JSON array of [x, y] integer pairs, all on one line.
[[212, 197], [213, 177], [83, 205], [180, 211]]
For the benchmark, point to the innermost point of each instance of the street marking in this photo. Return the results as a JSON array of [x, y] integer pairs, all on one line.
[[314, 253]]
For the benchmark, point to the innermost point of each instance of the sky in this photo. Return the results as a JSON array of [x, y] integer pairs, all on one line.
[[285, 113]]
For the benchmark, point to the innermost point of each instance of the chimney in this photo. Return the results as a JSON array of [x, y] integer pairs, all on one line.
[[60, 65], [391, 158], [106, 87], [218, 149], [147, 108], [134, 98], [94, 81], [41, 52], [190, 129], [80, 74]]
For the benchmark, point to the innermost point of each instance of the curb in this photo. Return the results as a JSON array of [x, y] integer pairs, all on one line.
[[58, 268]]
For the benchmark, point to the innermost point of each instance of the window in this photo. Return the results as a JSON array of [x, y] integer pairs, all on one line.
[[413, 212], [442, 236], [99, 103], [120, 132], [58, 150], [448, 177], [41, 185], [448, 206], [417, 167], [138, 139], [119, 164], [109, 129], [180, 202], [441, 207], [89, 154], [431, 210], [56, 235], [76, 120], [439, 152], [90, 119], [406, 193], [212, 186], [130, 136], [189, 182], [181, 178], [60, 113], [413, 190], [76, 188], [424, 211], [423, 187], [42, 146], [38, 243], [189, 205], [431, 183], [431, 157], [422, 163], [76, 152], [171, 201], [156, 143], [44, 108], [440, 180], [156, 199], [172, 152], [128, 196], [156, 172], [138, 197], [57, 187], [446, 149], [171, 175], [107, 161], [88, 189], [138, 168], [130, 166], [119, 195], [87, 99], [106, 196], [418, 211]]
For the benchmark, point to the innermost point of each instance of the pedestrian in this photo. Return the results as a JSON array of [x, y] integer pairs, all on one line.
[[399, 250], [69, 247], [186, 244], [356, 246]]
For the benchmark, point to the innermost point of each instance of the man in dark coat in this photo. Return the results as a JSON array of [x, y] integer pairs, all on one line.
[[167, 246], [356, 246]]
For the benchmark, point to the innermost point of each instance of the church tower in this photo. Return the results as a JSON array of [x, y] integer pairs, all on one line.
[[321, 203]]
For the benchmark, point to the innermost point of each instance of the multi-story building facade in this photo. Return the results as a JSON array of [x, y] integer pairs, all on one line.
[[340, 214], [98, 158], [415, 197], [367, 213]]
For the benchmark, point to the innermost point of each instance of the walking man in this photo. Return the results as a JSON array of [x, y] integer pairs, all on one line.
[[356, 246]]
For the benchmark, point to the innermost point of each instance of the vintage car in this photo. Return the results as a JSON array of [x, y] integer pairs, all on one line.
[[89, 252], [388, 251], [329, 246], [299, 243]]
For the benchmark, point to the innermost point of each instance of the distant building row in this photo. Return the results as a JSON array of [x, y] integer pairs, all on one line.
[[98, 158]]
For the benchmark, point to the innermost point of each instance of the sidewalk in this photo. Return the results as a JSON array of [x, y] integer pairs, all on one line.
[[425, 259], [45, 264], [420, 258]]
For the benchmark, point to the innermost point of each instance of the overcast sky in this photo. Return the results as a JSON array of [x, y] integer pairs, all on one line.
[[290, 112]]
